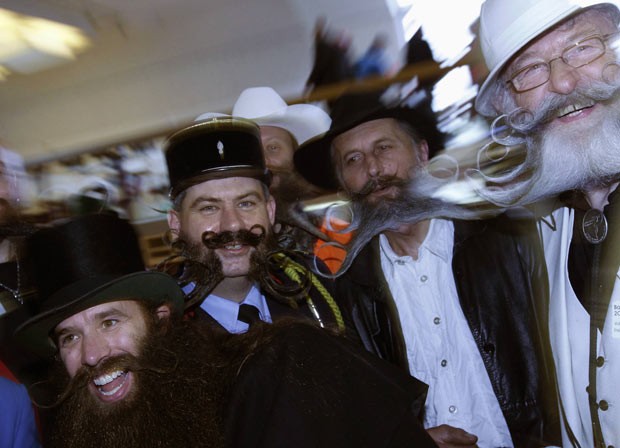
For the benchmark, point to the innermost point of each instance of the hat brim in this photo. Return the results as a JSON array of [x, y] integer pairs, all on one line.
[[148, 286], [302, 121], [482, 102]]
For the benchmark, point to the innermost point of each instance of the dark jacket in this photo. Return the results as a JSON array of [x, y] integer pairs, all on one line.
[[308, 389], [501, 281]]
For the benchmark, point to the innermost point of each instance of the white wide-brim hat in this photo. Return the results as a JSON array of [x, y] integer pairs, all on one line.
[[506, 26], [266, 108]]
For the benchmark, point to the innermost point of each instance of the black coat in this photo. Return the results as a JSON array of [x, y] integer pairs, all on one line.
[[501, 281], [309, 389]]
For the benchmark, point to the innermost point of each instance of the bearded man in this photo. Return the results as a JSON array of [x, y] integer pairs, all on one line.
[[222, 218], [130, 372], [282, 129], [453, 303], [554, 77]]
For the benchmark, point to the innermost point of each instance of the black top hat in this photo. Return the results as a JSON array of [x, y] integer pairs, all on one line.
[[216, 148], [313, 159], [85, 262]]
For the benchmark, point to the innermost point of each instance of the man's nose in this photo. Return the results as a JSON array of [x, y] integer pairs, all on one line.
[[374, 167], [563, 78], [230, 220], [94, 349]]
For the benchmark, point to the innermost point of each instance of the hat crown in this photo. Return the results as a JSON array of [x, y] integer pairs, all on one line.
[[507, 25], [97, 246], [257, 102], [265, 107], [216, 148]]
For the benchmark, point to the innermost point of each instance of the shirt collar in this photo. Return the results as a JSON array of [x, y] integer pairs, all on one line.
[[226, 311], [439, 241]]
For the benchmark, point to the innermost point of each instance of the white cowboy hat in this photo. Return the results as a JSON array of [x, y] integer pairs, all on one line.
[[266, 108]]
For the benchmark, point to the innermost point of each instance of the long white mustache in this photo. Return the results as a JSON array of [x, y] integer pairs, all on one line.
[[556, 162]]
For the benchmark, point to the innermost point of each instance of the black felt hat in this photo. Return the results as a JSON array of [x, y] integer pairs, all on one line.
[[313, 159], [84, 262], [216, 148]]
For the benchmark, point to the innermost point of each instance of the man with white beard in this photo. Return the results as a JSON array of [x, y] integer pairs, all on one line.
[[554, 78]]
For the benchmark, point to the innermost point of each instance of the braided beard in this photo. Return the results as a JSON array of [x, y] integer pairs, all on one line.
[[203, 268]]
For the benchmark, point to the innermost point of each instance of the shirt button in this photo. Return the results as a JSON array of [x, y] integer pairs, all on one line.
[[452, 409], [400, 262], [444, 363], [603, 405], [437, 320], [600, 361], [423, 278]]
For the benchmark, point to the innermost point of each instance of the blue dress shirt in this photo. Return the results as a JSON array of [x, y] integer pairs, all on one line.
[[225, 311]]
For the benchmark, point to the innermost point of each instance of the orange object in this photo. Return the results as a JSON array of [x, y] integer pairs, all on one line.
[[330, 255]]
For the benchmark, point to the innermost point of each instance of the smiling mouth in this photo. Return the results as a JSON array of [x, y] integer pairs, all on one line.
[[233, 246], [111, 382], [573, 110]]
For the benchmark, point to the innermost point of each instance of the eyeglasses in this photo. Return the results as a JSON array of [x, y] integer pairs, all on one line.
[[576, 55]]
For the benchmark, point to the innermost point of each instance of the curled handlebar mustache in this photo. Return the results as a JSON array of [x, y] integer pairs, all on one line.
[[249, 237]]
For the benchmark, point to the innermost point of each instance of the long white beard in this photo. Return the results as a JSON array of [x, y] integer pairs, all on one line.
[[581, 157], [561, 158]]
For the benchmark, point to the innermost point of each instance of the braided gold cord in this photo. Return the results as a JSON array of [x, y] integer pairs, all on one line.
[[292, 268]]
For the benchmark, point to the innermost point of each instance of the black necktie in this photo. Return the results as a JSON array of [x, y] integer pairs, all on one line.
[[248, 314]]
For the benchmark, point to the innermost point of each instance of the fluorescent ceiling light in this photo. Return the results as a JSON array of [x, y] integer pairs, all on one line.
[[29, 44]]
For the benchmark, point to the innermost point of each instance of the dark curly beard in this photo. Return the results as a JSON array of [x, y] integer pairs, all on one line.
[[180, 380], [203, 268]]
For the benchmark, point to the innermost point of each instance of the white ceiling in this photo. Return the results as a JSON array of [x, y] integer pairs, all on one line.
[[156, 64]]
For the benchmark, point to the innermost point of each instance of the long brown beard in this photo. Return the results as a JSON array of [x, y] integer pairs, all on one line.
[[183, 402], [179, 387]]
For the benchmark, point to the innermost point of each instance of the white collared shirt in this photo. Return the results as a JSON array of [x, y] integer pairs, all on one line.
[[225, 311], [440, 347]]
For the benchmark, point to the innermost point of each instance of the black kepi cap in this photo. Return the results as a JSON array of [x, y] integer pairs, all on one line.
[[215, 148]]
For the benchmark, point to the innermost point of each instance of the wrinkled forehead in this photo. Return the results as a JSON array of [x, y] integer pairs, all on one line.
[[556, 39]]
